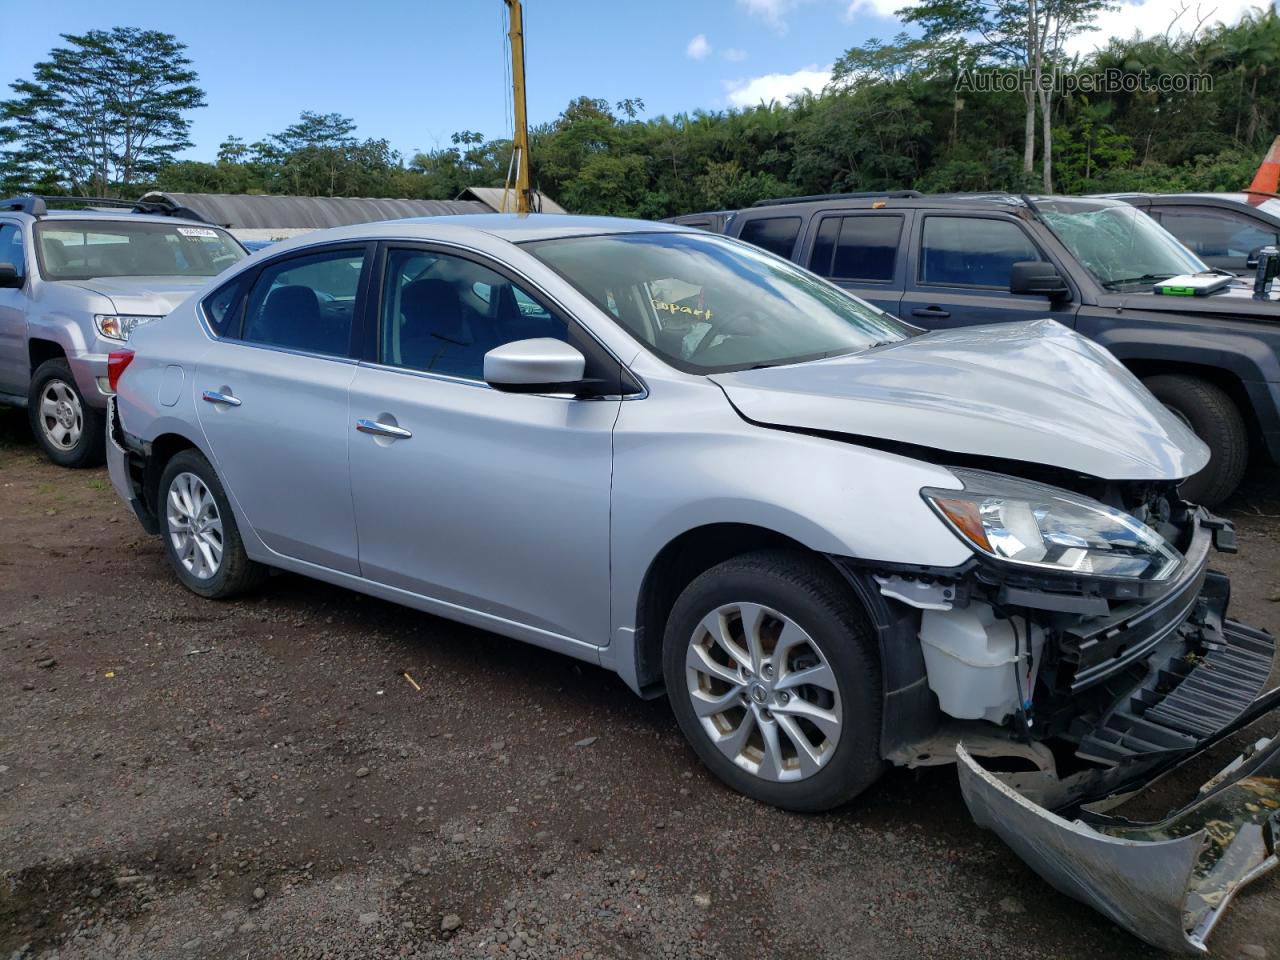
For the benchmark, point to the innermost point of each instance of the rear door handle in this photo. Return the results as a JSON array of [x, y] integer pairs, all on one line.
[[213, 396], [383, 429], [936, 312]]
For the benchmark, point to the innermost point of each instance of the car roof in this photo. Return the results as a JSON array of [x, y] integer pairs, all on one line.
[[957, 201], [511, 227], [121, 216]]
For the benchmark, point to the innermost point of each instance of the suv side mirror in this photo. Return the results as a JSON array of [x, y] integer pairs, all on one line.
[[541, 365], [9, 276], [1038, 278]]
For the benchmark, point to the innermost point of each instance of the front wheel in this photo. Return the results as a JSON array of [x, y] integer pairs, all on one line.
[[774, 677], [71, 433], [1212, 415], [201, 539]]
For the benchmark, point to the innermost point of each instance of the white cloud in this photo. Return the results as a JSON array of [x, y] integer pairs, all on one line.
[[777, 86], [773, 12], [887, 9], [1152, 18], [734, 55], [698, 47]]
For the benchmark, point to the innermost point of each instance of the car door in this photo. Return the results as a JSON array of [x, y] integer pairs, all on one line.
[[272, 401], [860, 252], [960, 271], [1221, 238], [489, 503], [14, 362]]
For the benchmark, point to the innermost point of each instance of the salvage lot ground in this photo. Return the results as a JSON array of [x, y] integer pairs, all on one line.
[[258, 779]]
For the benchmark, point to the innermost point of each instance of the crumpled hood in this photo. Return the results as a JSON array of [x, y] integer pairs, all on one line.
[[144, 296], [1035, 391]]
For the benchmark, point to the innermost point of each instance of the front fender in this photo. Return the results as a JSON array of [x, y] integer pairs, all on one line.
[[684, 459]]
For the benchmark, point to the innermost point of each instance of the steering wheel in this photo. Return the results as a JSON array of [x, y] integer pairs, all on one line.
[[745, 323]]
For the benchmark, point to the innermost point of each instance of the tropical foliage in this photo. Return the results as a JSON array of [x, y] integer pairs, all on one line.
[[891, 118]]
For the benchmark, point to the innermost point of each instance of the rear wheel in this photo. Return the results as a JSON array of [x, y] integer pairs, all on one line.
[[774, 677], [1213, 416], [71, 433], [201, 539]]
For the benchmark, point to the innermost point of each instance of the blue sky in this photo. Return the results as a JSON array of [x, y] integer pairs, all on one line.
[[415, 71]]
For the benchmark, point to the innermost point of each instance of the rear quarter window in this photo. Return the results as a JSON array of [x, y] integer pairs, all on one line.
[[223, 307], [775, 234]]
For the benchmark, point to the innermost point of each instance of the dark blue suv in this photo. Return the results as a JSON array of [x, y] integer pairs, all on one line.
[[1091, 264]]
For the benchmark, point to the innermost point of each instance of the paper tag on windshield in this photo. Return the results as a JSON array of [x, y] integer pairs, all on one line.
[[198, 232]]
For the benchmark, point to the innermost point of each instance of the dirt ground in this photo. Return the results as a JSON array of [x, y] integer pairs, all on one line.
[[182, 778]]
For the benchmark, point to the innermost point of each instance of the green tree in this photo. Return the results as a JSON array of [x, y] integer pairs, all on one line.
[[106, 111]]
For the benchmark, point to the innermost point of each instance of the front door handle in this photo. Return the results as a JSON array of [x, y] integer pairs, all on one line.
[[213, 396], [936, 313], [383, 429]]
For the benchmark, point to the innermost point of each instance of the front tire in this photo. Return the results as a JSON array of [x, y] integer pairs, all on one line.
[[773, 673], [71, 433], [1214, 418], [201, 540]]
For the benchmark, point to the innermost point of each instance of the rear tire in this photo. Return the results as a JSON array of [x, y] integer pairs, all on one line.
[[804, 618], [201, 540], [1215, 419], [70, 432]]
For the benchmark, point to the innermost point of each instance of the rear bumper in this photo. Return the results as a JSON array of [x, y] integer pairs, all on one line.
[[127, 470]]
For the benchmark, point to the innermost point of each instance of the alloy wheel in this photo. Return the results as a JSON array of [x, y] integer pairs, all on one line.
[[61, 415], [763, 692], [195, 526]]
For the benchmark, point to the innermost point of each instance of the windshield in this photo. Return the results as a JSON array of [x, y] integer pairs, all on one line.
[[706, 304], [86, 249], [1119, 244]]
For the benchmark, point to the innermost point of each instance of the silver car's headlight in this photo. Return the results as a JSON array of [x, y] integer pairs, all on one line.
[[1035, 525], [118, 326]]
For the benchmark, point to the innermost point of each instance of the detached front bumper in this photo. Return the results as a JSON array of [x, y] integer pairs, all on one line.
[[1167, 882]]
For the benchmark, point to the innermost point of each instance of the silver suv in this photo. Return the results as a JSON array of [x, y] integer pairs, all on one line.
[[73, 285], [833, 543]]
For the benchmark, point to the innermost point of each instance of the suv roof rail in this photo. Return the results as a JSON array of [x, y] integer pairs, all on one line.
[[32, 205], [890, 194]]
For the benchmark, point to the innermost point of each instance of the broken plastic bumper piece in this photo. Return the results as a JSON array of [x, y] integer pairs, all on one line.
[[1166, 881]]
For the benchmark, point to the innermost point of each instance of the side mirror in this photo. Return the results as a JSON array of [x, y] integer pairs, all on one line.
[[542, 365], [9, 276], [1254, 255], [1038, 278]]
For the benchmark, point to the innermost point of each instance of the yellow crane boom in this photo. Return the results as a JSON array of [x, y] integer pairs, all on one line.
[[518, 172]]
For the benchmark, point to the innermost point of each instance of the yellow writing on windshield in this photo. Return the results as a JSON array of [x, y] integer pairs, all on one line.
[[698, 312]]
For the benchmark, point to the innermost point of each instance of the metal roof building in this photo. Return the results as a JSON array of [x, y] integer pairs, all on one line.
[[267, 217], [491, 197]]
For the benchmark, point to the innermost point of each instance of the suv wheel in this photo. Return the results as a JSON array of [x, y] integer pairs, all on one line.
[[71, 433], [201, 539], [1213, 417], [774, 677]]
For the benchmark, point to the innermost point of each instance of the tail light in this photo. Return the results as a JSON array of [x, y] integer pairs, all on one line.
[[117, 362]]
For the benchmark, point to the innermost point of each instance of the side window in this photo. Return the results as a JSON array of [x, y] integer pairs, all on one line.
[[775, 234], [12, 248], [442, 314], [972, 251], [1216, 233], [306, 303], [857, 248], [222, 308]]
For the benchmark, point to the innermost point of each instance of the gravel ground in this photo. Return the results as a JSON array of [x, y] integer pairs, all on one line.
[[181, 778]]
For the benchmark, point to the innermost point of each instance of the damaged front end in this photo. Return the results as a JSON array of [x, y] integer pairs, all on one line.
[[1064, 696]]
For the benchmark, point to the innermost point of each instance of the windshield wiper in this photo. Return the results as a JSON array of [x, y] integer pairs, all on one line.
[[1145, 278]]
